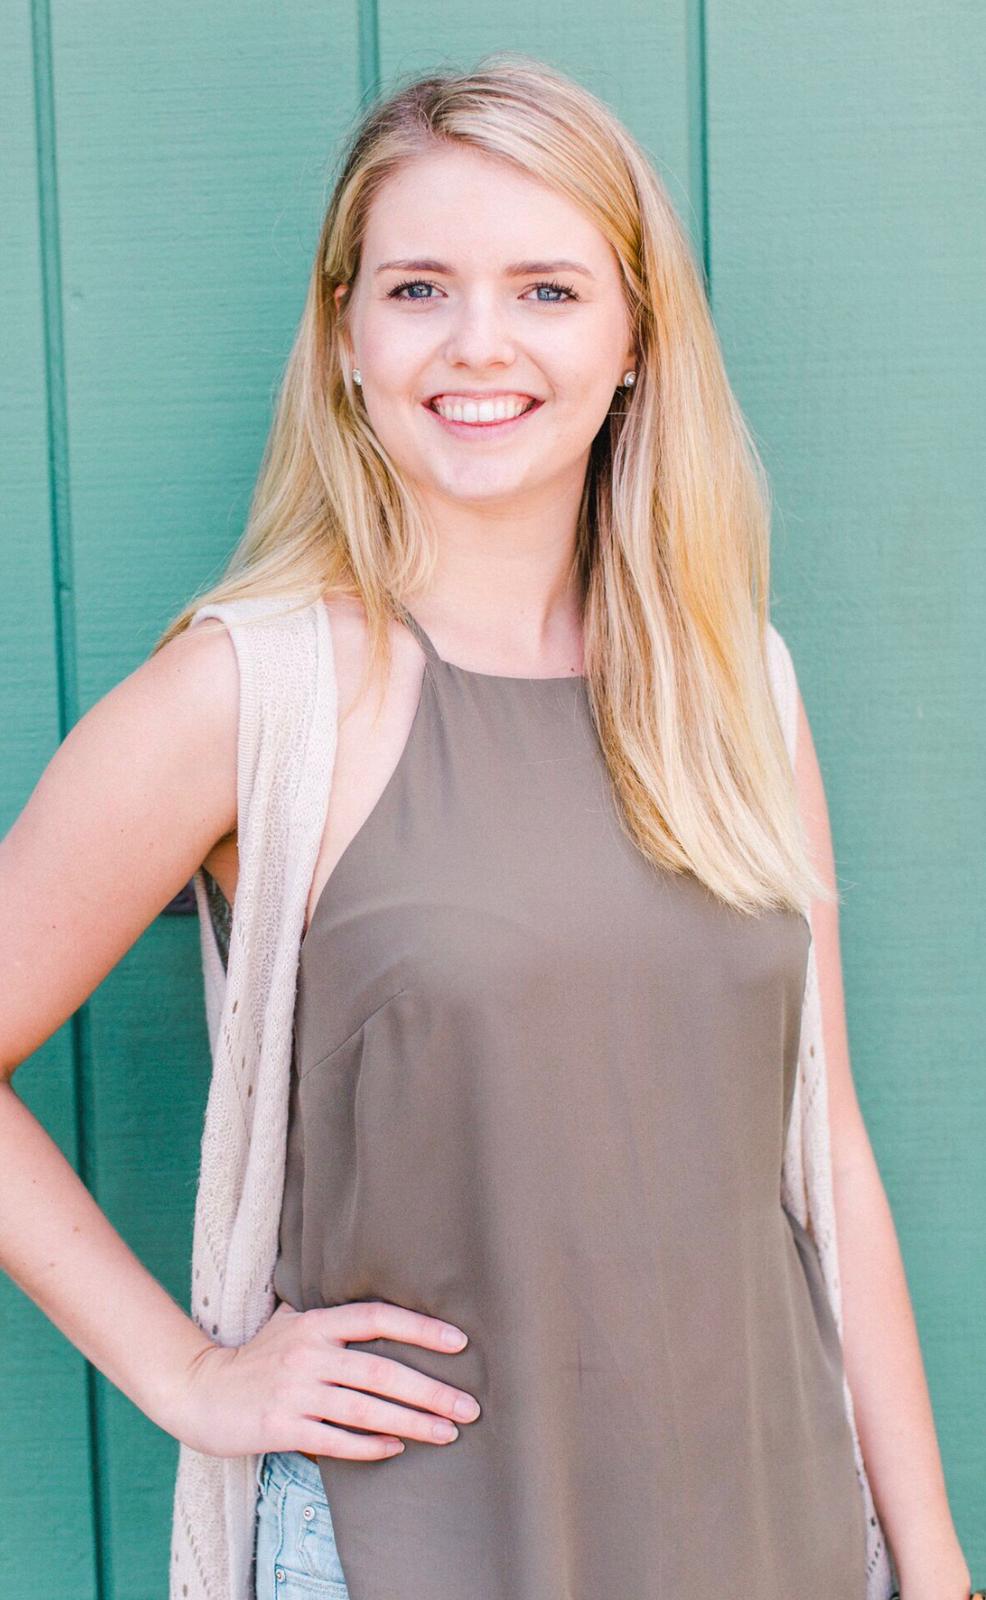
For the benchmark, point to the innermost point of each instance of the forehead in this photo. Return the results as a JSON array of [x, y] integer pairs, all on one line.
[[471, 209]]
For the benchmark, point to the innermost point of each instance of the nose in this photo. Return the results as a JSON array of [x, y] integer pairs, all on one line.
[[478, 336]]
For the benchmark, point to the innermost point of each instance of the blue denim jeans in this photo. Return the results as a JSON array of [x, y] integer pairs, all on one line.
[[296, 1550]]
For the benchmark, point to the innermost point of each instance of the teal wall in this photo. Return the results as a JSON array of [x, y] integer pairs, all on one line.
[[165, 173]]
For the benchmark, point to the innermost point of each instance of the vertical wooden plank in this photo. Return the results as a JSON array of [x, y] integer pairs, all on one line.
[[193, 154], [847, 239], [45, 1460]]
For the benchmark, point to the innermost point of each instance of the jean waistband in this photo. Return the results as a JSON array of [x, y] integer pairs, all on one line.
[[283, 1464]]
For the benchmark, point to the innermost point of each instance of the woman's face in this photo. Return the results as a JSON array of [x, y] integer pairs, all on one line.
[[486, 309]]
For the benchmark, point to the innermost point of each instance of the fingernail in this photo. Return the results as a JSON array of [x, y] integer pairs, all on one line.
[[453, 1336]]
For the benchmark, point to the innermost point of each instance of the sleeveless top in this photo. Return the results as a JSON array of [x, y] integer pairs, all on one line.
[[541, 1089]]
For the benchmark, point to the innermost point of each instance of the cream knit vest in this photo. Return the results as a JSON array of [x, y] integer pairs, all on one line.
[[286, 751]]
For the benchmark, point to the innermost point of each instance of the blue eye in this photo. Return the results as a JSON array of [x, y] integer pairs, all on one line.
[[410, 283], [397, 293], [557, 288]]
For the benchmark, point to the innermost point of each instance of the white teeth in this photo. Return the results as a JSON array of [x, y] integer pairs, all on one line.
[[480, 411]]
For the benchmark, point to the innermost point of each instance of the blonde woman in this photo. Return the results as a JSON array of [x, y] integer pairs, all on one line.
[[550, 979]]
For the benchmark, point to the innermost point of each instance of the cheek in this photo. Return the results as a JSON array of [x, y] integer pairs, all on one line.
[[582, 407], [584, 383], [397, 349]]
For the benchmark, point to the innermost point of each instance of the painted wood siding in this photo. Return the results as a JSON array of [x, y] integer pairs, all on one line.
[[165, 175]]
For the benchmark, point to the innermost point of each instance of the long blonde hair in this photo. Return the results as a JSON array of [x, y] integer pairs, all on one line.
[[672, 538]]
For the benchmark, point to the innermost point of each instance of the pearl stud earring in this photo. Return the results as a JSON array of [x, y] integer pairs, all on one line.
[[357, 376], [629, 379]]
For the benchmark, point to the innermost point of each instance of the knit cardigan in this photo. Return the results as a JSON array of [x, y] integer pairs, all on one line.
[[286, 743]]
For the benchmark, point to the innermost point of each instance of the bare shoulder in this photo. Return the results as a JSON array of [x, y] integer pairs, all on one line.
[[198, 673], [175, 716], [199, 670], [350, 647], [193, 684], [131, 801]]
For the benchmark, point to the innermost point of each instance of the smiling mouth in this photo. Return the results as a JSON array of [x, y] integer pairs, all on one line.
[[475, 425]]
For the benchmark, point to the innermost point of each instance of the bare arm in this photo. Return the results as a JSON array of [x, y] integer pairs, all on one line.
[[881, 1347], [128, 807], [126, 810]]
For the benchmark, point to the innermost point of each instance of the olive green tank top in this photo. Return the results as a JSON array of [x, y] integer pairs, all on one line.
[[540, 1088]]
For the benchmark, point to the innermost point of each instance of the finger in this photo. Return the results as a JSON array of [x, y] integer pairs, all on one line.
[[379, 1374], [380, 1319], [358, 1410], [322, 1439]]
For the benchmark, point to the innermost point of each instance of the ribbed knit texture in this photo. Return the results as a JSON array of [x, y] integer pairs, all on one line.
[[286, 752]]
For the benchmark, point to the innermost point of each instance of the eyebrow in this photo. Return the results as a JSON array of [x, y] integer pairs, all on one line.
[[516, 269]]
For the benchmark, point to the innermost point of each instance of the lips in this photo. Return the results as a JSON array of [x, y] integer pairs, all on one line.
[[483, 430]]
